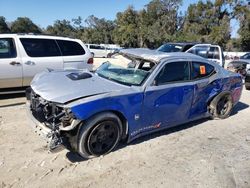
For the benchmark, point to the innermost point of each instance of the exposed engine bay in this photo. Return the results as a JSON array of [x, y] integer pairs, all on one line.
[[53, 116]]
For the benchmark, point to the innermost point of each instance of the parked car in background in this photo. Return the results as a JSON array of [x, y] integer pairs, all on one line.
[[24, 55], [91, 112], [208, 51], [98, 50], [242, 66], [247, 79], [245, 57], [238, 67]]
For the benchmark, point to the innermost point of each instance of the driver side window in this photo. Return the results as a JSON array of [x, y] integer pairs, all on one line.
[[173, 72]]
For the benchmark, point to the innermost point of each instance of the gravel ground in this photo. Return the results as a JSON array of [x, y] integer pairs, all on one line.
[[205, 153]]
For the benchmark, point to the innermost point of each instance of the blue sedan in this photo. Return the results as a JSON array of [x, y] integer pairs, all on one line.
[[147, 91]]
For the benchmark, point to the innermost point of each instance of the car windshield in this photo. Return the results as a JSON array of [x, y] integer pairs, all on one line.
[[170, 48], [132, 75]]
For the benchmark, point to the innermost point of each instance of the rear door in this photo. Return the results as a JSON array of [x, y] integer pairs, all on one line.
[[38, 55], [10, 64], [203, 76], [74, 55]]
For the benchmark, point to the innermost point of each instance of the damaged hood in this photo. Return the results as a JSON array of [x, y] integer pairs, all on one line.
[[65, 86]]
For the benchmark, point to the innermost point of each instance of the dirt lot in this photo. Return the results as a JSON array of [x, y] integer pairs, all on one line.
[[206, 153]]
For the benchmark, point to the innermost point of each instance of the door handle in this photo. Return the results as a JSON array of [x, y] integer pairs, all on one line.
[[14, 63], [30, 63]]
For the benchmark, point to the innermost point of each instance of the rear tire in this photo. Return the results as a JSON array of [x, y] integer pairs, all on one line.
[[99, 135], [221, 106]]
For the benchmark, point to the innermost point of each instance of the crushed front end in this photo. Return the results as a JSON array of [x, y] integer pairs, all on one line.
[[50, 120]]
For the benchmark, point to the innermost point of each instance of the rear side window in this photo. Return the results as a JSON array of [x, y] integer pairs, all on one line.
[[173, 72], [213, 53], [70, 48], [7, 48], [40, 47], [201, 70]]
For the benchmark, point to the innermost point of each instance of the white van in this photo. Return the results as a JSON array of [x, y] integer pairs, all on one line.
[[24, 55], [99, 50]]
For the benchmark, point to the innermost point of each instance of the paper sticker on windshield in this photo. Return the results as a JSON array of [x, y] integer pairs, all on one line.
[[202, 70]]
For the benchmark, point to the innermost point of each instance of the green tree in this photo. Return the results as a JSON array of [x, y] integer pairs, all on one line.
[[99, 30], [3, 26], [208, 22], [126, 31], [61, 28], [242, 13], [24, 25], [162, 21]]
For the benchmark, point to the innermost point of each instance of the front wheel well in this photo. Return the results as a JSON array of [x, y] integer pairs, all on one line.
[[122, 118], [73, 134], [124, 124]]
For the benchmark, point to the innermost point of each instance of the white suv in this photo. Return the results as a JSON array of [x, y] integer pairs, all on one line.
[[24, 55]]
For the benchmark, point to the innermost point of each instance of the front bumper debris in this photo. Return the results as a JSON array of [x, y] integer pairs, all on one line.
[[52, 137]]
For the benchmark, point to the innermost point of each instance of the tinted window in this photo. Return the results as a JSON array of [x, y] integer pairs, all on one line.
[[40, 47], [173, 72], [69, 48], [170, 48], [201, 70], [7, 48], [97, 47], [200, 51], [213, 53]]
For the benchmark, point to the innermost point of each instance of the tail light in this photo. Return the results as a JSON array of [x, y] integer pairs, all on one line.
[[90, 61]]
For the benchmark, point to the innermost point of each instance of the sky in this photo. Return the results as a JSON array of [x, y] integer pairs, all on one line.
[[45, 12]]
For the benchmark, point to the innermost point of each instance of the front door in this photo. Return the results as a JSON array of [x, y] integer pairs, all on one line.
[[168, 101], [10, 64]]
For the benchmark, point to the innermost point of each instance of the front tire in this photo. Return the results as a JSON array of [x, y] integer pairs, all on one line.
[[99, 135], [247, 87], [221, 106]]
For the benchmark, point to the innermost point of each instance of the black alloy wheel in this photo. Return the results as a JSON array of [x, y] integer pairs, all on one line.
[[103, 138]]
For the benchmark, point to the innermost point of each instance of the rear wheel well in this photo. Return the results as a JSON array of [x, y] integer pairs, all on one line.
[[221, 105], [220, 93]]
